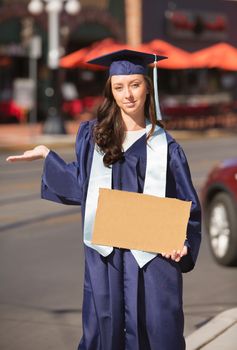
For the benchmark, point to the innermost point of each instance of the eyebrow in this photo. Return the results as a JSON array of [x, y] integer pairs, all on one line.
[[137, 80]]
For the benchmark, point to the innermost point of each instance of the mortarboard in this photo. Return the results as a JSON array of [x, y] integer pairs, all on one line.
[[127, 62]]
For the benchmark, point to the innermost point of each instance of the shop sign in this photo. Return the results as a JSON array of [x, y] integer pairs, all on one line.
[[182, 24]]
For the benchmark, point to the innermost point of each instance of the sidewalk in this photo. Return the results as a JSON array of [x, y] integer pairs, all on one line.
[[218, 334], [20, 137]]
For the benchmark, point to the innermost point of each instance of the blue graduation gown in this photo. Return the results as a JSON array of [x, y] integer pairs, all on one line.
[[125, 307]]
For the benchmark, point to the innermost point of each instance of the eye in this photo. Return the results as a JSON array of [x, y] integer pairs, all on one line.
[[118, 88], [135, 85]]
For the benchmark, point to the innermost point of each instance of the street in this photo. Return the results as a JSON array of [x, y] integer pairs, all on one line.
[[41, 258]]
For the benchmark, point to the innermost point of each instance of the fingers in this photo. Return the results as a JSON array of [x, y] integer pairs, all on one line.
[[38, 152], [176, 255], [184, 251], [166, 255], [25, 156], [11, 159]]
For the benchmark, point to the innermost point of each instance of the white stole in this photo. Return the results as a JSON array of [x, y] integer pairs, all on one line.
[[101, 177]]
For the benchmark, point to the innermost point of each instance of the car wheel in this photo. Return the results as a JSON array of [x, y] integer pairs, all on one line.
[[222, 229]]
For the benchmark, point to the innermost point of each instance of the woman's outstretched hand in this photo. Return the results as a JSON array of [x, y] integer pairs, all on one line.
[[176, 255], [39, 152]]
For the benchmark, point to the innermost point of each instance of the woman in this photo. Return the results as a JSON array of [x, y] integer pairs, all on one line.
[[132, 300]]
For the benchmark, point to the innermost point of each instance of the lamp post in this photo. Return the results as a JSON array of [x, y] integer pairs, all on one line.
[[54, 122]]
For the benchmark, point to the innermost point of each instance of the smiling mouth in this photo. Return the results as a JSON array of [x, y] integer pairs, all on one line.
[[129, 103]]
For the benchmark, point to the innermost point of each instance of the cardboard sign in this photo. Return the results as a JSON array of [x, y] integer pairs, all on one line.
[[139, 221]]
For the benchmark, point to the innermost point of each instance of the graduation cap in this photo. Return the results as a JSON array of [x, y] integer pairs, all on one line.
[[127, 62]]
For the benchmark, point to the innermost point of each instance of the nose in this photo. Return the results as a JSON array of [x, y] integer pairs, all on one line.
[[128, 93]]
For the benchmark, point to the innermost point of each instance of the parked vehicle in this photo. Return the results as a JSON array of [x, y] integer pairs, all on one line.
[[10, 112], [219, 200]]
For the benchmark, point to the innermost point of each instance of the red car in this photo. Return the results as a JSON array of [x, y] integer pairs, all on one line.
[[11, 112], [219, 199]]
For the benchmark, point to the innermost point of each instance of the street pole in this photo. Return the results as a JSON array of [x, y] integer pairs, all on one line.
[[34, 55], [133, 18], [33, 77], [54, 123]]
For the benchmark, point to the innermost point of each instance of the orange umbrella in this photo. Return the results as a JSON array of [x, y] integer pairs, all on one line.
[[99, 48], [104, 47], [177, 58], [222, 55], [71, 60]]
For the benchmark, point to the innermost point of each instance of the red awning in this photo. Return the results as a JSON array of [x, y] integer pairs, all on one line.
[[177, 58], [82, 56], [71, 60], [222, 55]]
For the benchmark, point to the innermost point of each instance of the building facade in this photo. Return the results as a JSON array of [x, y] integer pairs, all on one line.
[[96, 21], [190, 25]]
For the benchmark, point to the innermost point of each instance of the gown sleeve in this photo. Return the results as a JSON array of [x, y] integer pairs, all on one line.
[[185, 191], [62, 182]]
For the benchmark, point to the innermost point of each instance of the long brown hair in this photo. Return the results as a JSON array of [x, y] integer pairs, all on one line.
[[109, 131]]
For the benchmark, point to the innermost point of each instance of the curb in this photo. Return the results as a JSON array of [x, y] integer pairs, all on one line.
[[197, 134], [53, 141], [59, 141], [207, 333]]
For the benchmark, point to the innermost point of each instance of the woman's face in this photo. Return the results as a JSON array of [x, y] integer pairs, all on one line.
[[129, 92]]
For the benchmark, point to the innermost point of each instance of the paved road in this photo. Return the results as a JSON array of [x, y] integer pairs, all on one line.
[[210, 288], [41, 259]]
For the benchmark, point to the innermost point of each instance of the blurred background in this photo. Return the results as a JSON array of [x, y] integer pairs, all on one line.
[[196, 91], [47, 89]]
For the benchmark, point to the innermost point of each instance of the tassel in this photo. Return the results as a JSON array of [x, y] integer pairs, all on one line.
[[155, 82]]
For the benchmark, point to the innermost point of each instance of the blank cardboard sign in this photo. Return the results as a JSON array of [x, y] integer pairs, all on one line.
[[140, 221]]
